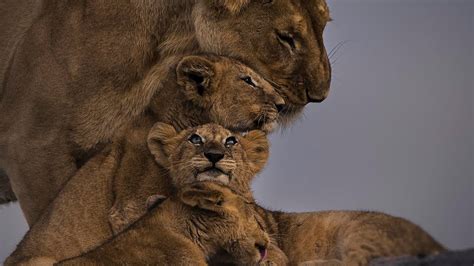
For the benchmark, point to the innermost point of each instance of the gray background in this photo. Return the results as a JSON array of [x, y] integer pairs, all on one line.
[[396, 133]]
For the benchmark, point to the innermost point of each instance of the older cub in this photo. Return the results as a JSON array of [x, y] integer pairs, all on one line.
[[204, 89], [198, 89], [187, 229]]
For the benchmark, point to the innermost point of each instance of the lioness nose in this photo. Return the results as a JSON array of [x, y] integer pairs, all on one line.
[[279, 107], [214, 156]]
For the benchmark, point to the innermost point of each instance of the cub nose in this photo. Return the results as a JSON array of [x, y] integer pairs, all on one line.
[[214, 156]]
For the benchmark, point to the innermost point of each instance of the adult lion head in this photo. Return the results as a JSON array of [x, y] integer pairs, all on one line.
[[281, 39]]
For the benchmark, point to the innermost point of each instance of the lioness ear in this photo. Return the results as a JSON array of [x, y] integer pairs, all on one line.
[[160, 142], [256, 147], [233, 6], [195, 73]]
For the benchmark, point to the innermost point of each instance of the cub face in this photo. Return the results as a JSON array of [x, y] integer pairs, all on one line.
[[209, 153], [235, 234], [281, 39], [230, 93]]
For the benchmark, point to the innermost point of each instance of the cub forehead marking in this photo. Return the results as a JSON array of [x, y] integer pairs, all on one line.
[[213, 133]]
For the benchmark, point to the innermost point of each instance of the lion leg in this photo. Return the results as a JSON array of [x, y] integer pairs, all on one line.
[[136, 167], [76, 221], [37, 179], [6, 192]]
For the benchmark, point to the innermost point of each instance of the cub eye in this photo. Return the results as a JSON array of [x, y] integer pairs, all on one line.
[[249, 81], [230, 141], [195, 139]]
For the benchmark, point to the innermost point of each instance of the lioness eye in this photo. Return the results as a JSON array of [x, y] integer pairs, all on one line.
[[287, 39], [230, 141], [249, 81], [195, 139]]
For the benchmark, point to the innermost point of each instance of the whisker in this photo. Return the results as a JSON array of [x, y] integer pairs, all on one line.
[[336, 48]]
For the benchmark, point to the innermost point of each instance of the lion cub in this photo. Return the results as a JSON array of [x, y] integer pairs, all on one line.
[[320, 238], [231, 158], [188, 228], [212, 153]]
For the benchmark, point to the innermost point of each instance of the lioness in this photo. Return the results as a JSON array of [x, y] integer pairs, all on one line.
[[76, 73], [199, 222], [77, 220]]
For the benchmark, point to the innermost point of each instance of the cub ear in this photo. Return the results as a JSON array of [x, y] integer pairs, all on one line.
[[204, 196], [256, 147], [195, 73], [160, 142], [233, 6]]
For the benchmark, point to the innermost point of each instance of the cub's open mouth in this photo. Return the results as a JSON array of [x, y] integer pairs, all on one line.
[[213, 174]]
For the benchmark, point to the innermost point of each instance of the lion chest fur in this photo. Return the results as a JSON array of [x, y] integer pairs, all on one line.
[[162, 237]]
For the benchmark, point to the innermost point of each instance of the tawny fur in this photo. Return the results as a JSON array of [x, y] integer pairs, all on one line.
[[77, 73], [223, 94], [187, 229], [337, 238], [78, 219], [352, 238], [349, 237]]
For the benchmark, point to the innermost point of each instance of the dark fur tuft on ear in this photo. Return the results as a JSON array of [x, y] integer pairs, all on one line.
[[161, 142], [195, 73], [256, 147]]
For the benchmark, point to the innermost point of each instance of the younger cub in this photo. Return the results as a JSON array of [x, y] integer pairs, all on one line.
[[319, 238], [63, 236]]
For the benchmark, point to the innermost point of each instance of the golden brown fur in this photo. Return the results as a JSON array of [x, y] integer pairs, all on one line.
[[221, 93], [349, 237], [344, 238], [239, 162], [187, 229], [78, 76], [228, 92], [242, 156], [78, 219], [352, 238], [182, 163]]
